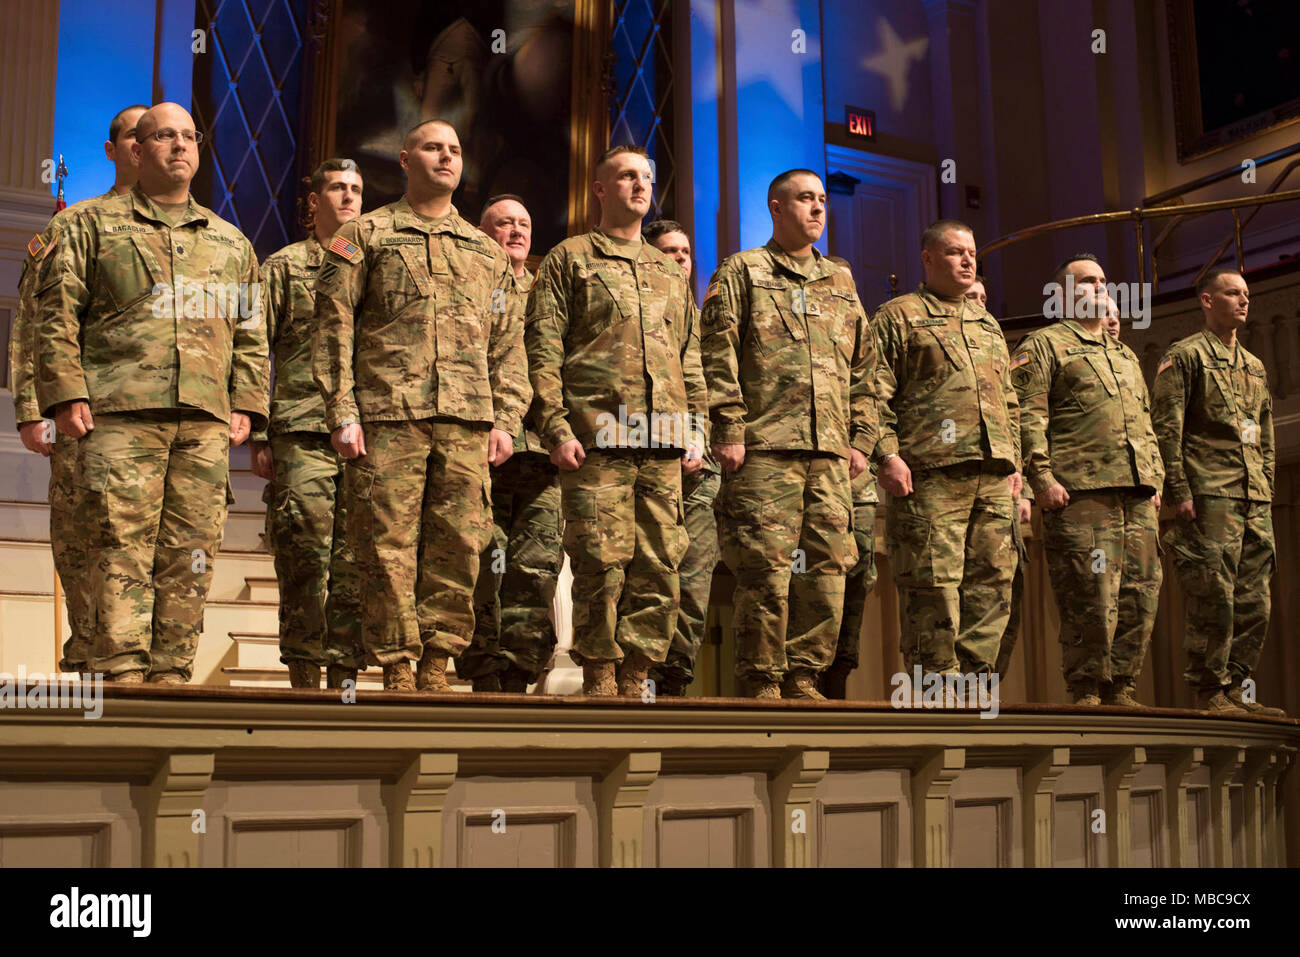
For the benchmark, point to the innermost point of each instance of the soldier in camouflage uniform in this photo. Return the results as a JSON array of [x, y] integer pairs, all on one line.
[[423, 375], [513, 633], [613, 356], [948, 457], [1214, 416], [38, 434], [699, 490], [790, 364], [306, 515], [1091, 457], [152, 353]]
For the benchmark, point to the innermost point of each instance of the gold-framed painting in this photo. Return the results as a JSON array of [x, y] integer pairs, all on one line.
[[523, 82], [1235, 71]]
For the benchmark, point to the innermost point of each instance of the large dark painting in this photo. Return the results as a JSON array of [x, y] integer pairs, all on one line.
[[1236, 70], [500, 71]]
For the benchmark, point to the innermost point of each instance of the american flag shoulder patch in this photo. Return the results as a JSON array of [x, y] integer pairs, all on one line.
[[1165, 363], [1020, 359], [344, 248], [37, 246], [712, 291]]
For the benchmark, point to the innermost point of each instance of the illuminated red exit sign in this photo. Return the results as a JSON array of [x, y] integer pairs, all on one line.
[[860, 123]]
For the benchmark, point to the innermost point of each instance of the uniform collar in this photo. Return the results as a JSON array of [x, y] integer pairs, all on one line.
[[1219, 349], [818, 270], [609, 247], [148, 209], [523, 283], [937, 305], [1101, 337], [404, 217]]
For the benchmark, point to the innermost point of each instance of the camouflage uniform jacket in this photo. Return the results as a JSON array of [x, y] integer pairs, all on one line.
[[790, 360], [1214, 417], [517, 298], [289, 298], [944, 383], [22, 334], [1085, 415], [412, 322], [135, 313], [611, 330]]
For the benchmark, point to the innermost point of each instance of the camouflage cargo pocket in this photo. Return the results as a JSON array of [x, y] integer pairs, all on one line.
[[1196, 560], [911, 556]]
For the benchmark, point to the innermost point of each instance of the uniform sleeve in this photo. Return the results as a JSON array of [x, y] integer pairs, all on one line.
[[275, 284], [507, 360], [340, 285], [1266, 438], [1168, 410], [62, 296], [545, 325], [1013, 407], [1157, 459], [891, 358], [1033, 368], [864, 416], [249, 377], [697, 393], [724, 322], [22, 340]]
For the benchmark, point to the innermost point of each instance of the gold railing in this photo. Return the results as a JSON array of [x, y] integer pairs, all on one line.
[[1139, 216]]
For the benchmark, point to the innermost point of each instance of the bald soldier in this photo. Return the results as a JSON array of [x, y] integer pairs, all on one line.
[[424, 380], [948, 457], [1214, 416], [790, 365], [699, 489], [153, 355], [306, 514], [38, 434], [614, 359], [1091, 457], [513, 633]]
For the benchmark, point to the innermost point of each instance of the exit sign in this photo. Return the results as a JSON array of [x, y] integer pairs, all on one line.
[[860, 123]]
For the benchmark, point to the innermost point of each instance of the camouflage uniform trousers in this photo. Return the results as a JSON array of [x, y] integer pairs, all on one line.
[[784, 524], [517, 572], [950, 551], [419, 515], [699, 491], [306, 530], [1103, 556], [1011, 636], [68, 543], [625, 535], [153, 495], [861, 578], [1224, 560]]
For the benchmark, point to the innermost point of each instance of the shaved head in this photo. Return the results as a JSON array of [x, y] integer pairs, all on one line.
[[164, 114], [413, 134]]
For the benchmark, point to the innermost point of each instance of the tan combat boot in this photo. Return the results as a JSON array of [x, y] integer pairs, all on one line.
[[1235, 695], [633, 671], [128, 678], [397, 677], [599, 679], [1120, 692], [166, 678], [761, 686], [1083, 693], [801, 685], [432, 673], [1215, 701], [335, 675], [304, 674]]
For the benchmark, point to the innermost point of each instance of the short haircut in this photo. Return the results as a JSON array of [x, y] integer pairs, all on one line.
[[613, 151], [782, 178], [422, 124], [119, 121], [661, 227], [935, 231], [500, 198], [1210, 277], [1058, 275], [335, 165]]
